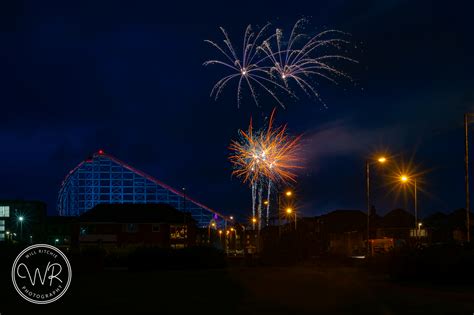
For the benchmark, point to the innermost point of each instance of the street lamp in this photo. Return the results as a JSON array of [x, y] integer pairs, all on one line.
[[213, 224], [380, 160], [466, 172], [288, 194], [21, 219], [404, 179], [289, 211]]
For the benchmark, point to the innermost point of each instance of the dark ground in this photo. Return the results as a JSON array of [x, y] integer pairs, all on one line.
[[248, 290]]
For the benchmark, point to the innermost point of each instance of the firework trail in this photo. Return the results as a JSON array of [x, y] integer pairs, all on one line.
[[260, 190], [269, 185], [254, 193], [272, 62], [244, 66], [268, 156]]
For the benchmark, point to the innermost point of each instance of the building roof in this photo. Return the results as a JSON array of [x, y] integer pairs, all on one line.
[[345, 220], [398, 218], [136, 213]]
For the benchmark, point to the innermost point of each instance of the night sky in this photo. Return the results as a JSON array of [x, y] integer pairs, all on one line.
[[127, 77]]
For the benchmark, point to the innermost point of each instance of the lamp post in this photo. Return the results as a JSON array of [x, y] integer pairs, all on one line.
[[380, 160], [289, 211], [405, 179], [213, 224], [21, 218], [466, 172], [288, 194]]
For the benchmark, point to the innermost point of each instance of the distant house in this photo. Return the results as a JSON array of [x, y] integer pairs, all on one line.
[[449, 227], [396, 224], [60, 230], [125, 225], [22, 221], [346, 231]]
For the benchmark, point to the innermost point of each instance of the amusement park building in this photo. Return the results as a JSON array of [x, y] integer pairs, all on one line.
[[103, 178]]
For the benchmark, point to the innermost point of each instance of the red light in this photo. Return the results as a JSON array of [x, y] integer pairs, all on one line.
[[101, 151]]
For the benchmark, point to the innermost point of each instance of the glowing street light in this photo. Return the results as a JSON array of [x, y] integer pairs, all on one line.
[[381, 160], [21, 219], [254, 221], [405, 179], [289, 193], [213, 225], [289, 211], [265, 202]]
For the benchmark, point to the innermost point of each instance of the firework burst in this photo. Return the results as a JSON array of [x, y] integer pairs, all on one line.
[[272, 62], [301, 58], [264, 158], [269, 153], [244, 66]]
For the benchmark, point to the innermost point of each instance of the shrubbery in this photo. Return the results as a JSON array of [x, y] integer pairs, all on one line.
[[154, 258], [148, 258], [447, 263]]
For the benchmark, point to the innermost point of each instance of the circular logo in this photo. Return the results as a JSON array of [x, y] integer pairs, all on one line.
[[41, 274]]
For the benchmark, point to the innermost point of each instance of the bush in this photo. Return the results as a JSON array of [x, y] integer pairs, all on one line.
[[89, 259], [155, 258], [435, 264]]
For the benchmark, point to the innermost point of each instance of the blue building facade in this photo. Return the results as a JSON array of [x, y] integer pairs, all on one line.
[[105, 179]]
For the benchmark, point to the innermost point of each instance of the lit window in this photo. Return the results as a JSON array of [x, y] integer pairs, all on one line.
[[177, 245], [155, 227], [83, 230], [4, 211], [132, 228], [2, 237], [178, 232]]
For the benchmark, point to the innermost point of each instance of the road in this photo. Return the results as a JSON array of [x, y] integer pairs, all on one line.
[[249, 290]]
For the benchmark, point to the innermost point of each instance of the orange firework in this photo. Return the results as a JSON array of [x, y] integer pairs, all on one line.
[[266, 154]]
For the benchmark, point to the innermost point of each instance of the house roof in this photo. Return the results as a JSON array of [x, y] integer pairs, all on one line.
[[398, 218], [345, 220], [136, 213]]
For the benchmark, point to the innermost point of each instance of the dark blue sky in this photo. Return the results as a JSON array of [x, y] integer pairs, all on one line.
[[128, 77]]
